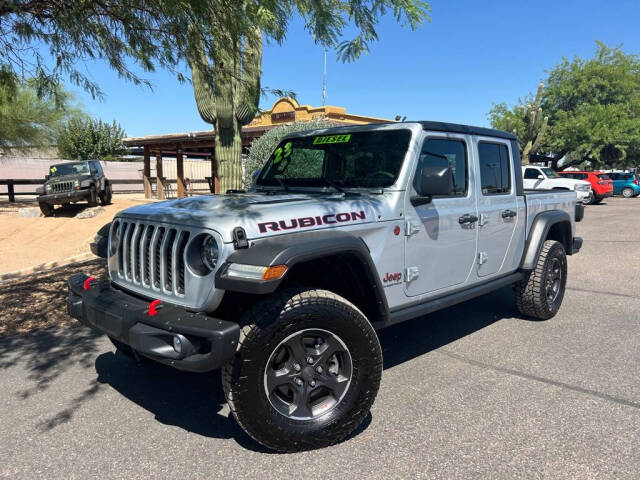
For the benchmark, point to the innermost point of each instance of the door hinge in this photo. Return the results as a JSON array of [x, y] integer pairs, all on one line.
[[482, 257], [411, 274], [483, 220], [410, 228]]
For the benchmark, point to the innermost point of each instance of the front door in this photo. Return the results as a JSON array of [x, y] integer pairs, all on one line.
[[497, 207], [531, 178], [441, 235]]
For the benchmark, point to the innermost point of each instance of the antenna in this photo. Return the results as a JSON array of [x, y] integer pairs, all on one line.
[[324, 79]]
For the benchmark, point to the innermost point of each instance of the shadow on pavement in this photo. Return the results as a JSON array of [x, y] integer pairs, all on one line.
[[193, 401]]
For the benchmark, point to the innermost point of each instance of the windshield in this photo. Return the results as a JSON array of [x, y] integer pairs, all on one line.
[[68, 169], [550, 173], [354, 160]]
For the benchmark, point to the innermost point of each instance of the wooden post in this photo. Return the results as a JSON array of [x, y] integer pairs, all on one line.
[[180, 171], [146, 172], [159, 175], [12, 194], [214, 172]]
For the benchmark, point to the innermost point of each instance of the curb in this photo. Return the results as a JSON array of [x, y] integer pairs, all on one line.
[[46, 267]]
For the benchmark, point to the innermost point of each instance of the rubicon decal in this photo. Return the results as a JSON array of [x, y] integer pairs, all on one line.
[[304, 222], [392, 278]]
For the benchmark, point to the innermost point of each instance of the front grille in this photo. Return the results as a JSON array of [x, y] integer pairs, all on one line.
[[61, 187], [152, 256]]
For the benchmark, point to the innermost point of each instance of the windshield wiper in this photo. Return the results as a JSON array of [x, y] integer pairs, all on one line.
[[281, 183], [335, 186]]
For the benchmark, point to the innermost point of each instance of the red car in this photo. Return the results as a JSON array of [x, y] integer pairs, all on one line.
[[601, 184]]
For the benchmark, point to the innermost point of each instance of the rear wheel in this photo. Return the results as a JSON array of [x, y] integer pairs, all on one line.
[[627, 192], [46, 209], [306, 371], [539, 295]]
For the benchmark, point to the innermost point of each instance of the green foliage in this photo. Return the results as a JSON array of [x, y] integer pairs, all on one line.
[[262, 148], [90, 139], [593, 106], [29, 120], [122, 33], [525, 121]]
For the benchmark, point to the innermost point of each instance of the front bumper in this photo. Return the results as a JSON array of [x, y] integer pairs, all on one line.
[[207, 343], [583, 195], [63, 197]]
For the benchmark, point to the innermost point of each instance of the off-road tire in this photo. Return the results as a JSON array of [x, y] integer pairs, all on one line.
[[105, 197], [264, 327], [531, 292], [627, 192], [93, 196], [46, 209]]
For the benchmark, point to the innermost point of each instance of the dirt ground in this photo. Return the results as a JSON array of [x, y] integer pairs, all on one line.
[[39, 301], [29, 242]]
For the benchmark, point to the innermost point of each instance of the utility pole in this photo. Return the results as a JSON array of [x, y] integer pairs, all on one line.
[[324, 79]]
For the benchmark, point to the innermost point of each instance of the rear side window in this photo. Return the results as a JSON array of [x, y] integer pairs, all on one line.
[[531, 174], [602, 176], [435, 150], [495, 171]]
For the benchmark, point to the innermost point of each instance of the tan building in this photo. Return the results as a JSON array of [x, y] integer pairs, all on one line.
[[287, 110], [202, 144]]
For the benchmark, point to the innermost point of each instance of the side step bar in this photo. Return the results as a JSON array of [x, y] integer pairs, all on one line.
[[449, 299]]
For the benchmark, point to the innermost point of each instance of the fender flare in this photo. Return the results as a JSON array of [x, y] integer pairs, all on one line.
[[540, 227], [293, 249]]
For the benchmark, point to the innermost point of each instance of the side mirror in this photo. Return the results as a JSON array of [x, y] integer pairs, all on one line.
[[432, 180], [540, 177]]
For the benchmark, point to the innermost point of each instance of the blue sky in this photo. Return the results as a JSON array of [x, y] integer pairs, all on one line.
[[471, 55]]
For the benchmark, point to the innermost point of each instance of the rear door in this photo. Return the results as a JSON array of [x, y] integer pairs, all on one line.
[[440, 247], [497, 206]]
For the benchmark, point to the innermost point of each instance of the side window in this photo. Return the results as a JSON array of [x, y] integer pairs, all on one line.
[[454, 152], [92, 167], [531, 174], [98, 167], [495, 172]]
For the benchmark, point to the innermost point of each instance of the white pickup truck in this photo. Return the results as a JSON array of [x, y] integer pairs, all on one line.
[[544, 178], [347, 230]]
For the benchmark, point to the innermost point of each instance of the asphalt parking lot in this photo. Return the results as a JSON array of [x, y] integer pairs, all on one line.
[[469, 392]]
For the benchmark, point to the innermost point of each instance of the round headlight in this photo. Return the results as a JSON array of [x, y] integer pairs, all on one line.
[[210, 252], [47, 188]]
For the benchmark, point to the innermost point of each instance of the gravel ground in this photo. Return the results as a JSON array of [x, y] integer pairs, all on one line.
[[27, 242], [469, 392]]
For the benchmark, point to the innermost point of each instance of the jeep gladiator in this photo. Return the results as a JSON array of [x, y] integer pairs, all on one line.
[[346, 230]]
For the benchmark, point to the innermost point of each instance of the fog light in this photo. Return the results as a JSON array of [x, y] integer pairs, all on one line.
[[177, 344]]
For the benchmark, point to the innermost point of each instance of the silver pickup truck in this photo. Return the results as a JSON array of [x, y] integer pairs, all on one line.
[[347, 230]]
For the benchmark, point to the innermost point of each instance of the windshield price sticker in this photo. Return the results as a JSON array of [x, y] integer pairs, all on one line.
[[331, 139], [53, 169]]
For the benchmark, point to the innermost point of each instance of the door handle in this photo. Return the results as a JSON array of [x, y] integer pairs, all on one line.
[[508, 214], [467, 218]]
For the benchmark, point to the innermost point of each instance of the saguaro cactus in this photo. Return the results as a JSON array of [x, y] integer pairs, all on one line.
[[535, 126], [231, 99]]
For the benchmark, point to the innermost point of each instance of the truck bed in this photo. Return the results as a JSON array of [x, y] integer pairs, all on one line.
[[542, 200]]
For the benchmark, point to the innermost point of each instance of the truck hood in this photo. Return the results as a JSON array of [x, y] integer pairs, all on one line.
[[265, 215]]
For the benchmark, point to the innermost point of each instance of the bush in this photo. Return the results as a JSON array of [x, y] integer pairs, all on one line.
[[90, 139], [262, 148]]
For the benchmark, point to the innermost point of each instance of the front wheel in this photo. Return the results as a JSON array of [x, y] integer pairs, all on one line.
[[93, 196], [306, 371], [105, 197], [46, 209], [539, 295]]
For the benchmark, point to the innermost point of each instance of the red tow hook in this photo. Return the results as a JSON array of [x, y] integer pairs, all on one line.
[[88, 283], [154, 307]]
